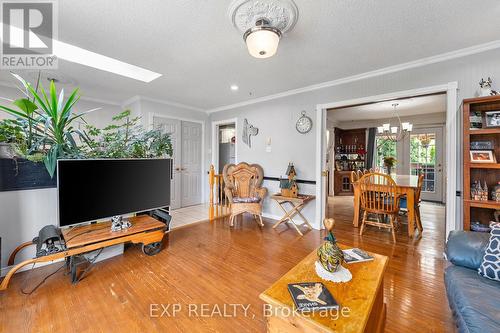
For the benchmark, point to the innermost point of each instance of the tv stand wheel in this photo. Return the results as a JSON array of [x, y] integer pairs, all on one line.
[[151, 249]]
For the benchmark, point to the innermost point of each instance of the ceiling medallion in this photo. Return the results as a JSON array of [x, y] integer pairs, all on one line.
[[262, 23]]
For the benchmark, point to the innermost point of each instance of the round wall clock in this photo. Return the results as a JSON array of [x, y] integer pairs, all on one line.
[[304, 124]]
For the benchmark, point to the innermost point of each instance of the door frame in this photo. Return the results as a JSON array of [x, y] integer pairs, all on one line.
[[204, 177], [453, 210], [215, 140]]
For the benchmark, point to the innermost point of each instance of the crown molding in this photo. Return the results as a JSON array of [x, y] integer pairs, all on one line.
[[378, 72]]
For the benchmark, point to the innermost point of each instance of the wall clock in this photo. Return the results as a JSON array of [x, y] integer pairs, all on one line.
[[304, 124]]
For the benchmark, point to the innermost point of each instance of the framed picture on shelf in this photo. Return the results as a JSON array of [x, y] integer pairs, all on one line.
[[492, 118], [482, 156]]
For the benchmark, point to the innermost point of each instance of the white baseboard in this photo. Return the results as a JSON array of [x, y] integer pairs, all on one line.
[[107, 253], [271, 216]]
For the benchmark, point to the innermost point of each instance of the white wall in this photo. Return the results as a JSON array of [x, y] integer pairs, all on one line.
[[276, 118]]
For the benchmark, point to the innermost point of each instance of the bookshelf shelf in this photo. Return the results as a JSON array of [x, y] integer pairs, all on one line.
[[490, 204], [488, 173], [485, 165], [483, 131]]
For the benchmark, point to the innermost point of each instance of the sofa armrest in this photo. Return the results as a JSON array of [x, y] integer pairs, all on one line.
[[466, 248]]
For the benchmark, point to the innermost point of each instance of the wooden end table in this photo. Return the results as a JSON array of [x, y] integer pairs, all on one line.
[[363, 296], [295, 206]]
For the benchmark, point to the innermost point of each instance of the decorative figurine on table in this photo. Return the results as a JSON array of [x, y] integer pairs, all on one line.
[[288, 186], [330, 258]]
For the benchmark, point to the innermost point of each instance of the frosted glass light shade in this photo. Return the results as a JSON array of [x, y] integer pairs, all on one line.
[[262, 43], [394, 130]]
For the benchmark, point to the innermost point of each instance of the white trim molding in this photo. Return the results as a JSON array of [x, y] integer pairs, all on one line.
[[378, 72], [453, 213]]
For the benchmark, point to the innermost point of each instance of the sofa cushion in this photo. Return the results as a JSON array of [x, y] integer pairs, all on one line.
[[473, 300], [466, 248], [246, 200], [490, 266]]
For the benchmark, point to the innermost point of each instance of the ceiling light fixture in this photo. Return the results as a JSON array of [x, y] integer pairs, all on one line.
[[395, 133], [262, 23], [262, 40], [234, 87]]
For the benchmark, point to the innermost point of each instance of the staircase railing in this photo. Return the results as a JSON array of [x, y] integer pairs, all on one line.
[[219, 205]]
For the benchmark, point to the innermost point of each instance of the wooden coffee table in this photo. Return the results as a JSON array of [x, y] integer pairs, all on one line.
[[363, 296]]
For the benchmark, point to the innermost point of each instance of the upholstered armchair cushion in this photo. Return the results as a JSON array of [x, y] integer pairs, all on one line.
[[246, 200]]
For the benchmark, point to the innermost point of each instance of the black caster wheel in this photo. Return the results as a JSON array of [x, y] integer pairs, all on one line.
[[151, 249]]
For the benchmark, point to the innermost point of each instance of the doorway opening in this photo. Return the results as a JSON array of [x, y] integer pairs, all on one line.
[[438, 140], [224, 143]]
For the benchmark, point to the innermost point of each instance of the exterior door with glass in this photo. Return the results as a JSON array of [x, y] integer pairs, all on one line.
[[426, 156]]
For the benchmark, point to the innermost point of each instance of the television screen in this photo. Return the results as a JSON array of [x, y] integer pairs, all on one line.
[[89, 190]]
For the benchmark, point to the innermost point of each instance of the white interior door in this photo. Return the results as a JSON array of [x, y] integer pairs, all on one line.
[[191, 163], [173, 127]]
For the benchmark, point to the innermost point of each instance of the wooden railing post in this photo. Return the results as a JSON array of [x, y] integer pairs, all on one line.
[[211, 181], [219, 206]]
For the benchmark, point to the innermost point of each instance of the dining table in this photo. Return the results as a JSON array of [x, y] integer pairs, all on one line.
[[406, 185]]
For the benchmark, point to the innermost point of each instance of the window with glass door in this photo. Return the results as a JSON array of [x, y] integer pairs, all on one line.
[[385, 148]]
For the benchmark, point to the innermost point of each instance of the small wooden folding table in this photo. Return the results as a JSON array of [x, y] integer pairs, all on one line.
[[295, 205]]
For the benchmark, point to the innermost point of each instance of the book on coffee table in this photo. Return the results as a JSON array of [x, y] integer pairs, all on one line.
[[311, 296], [355, 255]]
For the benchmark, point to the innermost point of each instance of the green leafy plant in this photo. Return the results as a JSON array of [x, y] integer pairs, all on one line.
[[390, 161], [48, 118], [11, 131], [43, 130], [125, 138]]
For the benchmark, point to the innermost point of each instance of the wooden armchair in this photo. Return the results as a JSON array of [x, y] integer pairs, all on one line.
[[243, 189]]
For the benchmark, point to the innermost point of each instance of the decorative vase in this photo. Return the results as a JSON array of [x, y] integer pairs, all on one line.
[[330, 256]]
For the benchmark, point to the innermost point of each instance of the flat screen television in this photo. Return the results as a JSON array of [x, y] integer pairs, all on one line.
[[90, 190]]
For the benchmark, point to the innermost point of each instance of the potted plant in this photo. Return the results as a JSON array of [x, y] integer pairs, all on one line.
[[45, 120], [389, 163], [43, 132]]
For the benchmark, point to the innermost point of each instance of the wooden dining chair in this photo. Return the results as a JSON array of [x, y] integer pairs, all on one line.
[[379, 196], [354, 177], [418, 200]]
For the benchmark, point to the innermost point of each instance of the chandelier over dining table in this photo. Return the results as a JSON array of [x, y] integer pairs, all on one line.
[[395, 133]]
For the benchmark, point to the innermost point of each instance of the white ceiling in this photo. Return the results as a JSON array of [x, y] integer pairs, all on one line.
[[193, 44], [383, 110]]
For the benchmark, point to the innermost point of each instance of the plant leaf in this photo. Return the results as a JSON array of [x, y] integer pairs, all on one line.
[[26, 105]]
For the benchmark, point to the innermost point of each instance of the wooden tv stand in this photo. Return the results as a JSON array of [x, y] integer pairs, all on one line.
[[86, 238]]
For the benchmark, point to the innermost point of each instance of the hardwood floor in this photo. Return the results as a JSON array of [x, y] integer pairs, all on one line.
[[210, 263]]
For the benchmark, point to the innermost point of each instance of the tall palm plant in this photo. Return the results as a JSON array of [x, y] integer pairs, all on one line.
[[50, 119]]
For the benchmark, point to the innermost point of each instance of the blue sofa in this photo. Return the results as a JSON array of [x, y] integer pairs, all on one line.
[[474, 300]]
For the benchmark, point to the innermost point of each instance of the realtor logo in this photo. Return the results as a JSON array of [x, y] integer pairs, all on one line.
[[29, 30]]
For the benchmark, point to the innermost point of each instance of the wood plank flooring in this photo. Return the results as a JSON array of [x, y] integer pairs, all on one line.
[[210, 263]]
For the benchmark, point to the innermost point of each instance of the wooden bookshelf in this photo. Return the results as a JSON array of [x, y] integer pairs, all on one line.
[[484, 172]]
